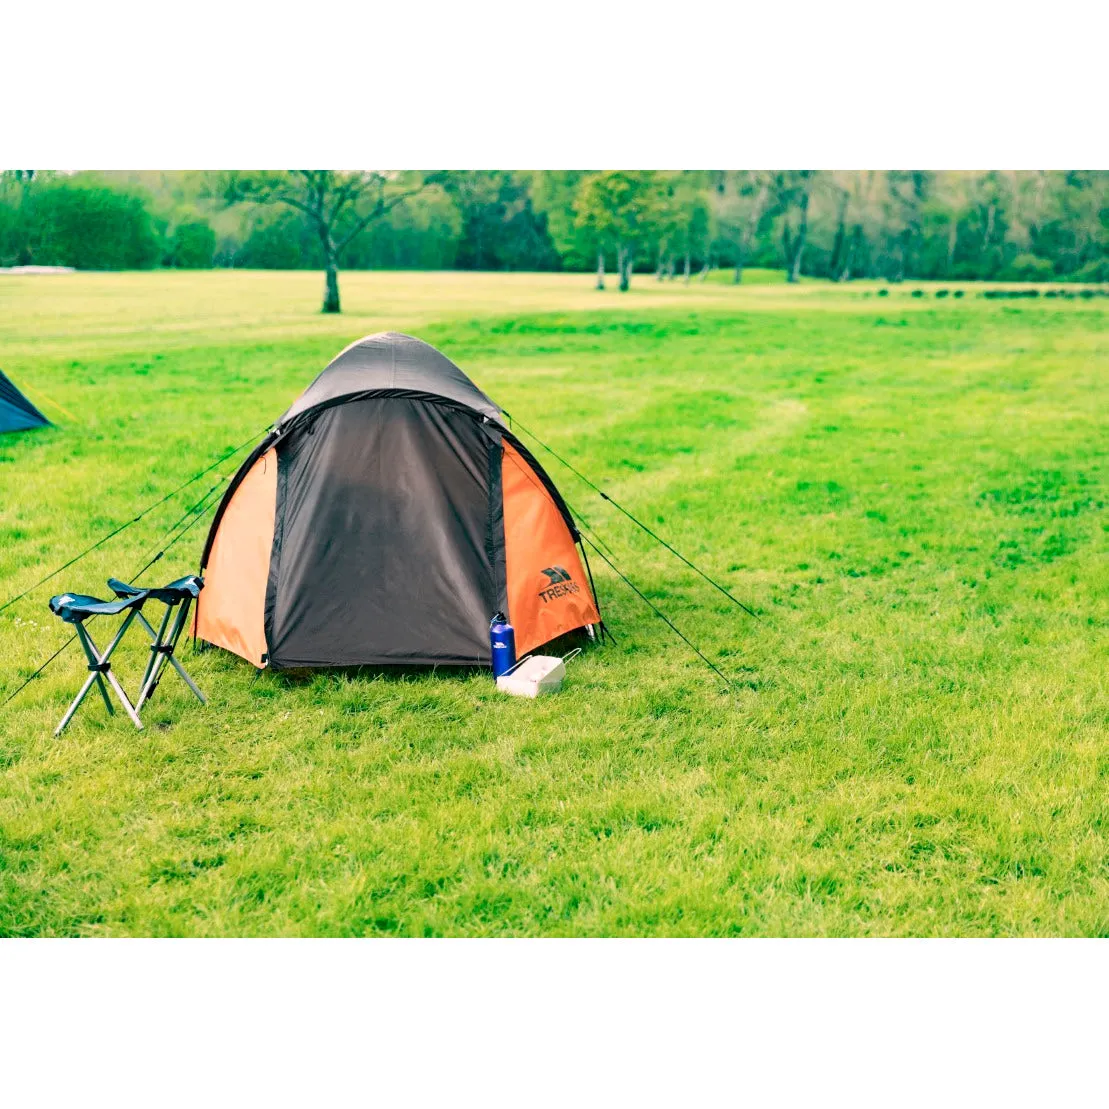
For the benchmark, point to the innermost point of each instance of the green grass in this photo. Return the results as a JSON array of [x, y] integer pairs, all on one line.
[[752, 275], [911, 491]]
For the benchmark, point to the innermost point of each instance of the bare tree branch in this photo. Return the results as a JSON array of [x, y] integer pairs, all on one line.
[[350, 191], [379, 210]]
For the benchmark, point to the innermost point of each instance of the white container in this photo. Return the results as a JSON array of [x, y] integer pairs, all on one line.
[[533, 675]]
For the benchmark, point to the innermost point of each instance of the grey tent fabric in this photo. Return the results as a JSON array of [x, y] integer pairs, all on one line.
[[17, 413], [382, 552], [396, 363]]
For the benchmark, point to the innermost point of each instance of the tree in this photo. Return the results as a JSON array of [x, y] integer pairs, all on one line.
[[854, 198], [667, 224], [795, 191], [741, 201], [987, 222], [619, 210], [553, 193], [193, 246], [906, 192], [338, 205], [1079, 229], [839, 267], [680, 222], [696, 235], [501, 228], [672, 215], [944, 213]]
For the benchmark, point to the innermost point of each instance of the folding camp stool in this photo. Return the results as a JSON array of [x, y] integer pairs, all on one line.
[[75, 609], [178, 595]]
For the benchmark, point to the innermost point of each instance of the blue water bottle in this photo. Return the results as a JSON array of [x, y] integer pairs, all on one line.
[[502, 643]]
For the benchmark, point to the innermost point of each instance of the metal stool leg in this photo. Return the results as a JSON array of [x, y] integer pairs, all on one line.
[[128, 707], [100, 669], [182, 621], [150, 662], [95, 674], [108, 673], [187, 680], [163, 648], [76, 703]]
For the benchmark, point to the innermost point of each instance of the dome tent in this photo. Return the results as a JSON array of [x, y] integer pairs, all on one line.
[[385, 519]]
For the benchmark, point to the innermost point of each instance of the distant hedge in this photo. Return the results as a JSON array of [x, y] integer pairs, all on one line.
[[193, 246], [81, 223]]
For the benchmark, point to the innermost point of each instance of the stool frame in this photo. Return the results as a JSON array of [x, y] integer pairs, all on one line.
[[77, 609], [100, 668]]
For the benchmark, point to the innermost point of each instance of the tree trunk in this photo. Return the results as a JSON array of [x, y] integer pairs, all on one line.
[[799, 241], [660, 270], [688, 266], [748, 235], [624, 262], [705, 267], [331, 281], [837, 252], [852, 253], [899, 261], [989, 228], [600, 269], [478, 225], [839, 246], [670, 268], [952, 243]]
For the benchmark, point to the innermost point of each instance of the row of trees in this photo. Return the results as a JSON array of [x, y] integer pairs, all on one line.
[[833, 224], [845, 224]]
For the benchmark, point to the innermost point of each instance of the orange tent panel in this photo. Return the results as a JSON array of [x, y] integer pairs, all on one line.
[[548, 591], [231, 609]]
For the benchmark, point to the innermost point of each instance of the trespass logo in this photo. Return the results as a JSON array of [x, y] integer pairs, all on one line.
[[559, 584]]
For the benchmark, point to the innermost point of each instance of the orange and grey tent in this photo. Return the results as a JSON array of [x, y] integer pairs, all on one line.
[[385, 519]]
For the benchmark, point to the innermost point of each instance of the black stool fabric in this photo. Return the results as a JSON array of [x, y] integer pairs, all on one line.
[[188, 587], [75, 607]]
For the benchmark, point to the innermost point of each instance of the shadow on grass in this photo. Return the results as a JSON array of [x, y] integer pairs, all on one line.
[[305, 677]]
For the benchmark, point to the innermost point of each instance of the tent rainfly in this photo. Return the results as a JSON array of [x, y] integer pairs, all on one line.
[[17, 413], [385, 519]]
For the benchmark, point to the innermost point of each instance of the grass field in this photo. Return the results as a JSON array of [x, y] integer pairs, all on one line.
[[910, 491]]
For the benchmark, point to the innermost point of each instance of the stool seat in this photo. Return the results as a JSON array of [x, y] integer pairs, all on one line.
[[186, 588], [75, 607]]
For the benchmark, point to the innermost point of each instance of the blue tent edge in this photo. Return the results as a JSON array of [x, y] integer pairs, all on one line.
[[17, 413]]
